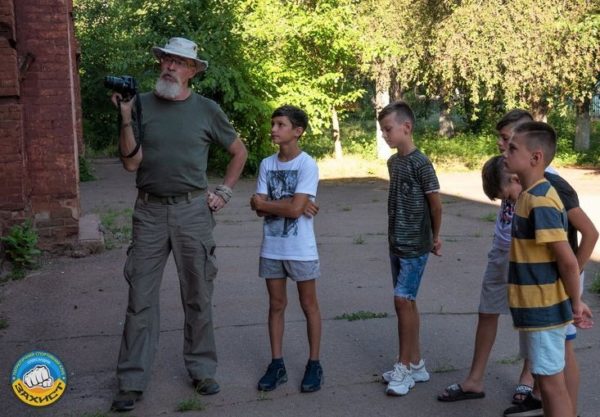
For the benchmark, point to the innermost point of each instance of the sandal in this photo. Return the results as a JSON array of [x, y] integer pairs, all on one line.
[[455, 392], [521, 392]]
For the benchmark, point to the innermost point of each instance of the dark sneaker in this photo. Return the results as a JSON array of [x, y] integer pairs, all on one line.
[[125, 400], [313, 377], [206, 386], [275, 376], [529, 407]]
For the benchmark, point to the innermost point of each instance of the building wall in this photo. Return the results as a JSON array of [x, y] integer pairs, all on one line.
[[40, 120]]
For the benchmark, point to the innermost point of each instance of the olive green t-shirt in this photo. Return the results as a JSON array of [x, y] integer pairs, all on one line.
[[177, 136]]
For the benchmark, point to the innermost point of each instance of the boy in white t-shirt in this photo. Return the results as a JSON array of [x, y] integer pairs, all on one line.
[[286, 187]]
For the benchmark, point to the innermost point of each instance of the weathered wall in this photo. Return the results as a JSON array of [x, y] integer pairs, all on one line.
[[40, 119]]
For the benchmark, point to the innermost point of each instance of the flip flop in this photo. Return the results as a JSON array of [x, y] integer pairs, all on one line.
[[521, 392], [455, 392]]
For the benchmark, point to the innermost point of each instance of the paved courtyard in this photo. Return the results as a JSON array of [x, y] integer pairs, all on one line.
[[75, 308]]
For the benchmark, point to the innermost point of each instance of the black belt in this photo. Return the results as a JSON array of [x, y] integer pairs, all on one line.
[[173, 199]]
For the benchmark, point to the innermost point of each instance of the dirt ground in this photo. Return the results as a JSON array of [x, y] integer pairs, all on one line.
[[75, 308]]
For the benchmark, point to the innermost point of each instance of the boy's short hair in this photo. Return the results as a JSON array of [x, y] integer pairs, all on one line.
[[401, 109], [538, 134], [513, 116], [296, 115], [494, 177]]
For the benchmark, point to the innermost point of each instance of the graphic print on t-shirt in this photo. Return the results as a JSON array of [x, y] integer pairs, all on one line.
[[508, 209], [281, 184]]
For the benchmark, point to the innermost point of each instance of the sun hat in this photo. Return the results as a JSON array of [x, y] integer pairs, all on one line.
[[182, 47]]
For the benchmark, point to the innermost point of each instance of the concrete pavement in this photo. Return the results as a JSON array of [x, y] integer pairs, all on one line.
[[75, 308]]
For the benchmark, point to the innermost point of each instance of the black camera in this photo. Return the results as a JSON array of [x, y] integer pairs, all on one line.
[[125, 85]]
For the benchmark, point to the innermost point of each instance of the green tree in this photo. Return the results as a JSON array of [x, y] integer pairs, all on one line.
[[305, 55], [537, 55], [116, 37]]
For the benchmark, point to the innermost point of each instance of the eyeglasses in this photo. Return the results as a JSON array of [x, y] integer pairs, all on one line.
[[170, 59]]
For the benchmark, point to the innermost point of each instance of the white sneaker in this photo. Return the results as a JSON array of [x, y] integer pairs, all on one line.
[[401, 381], [418, 372], [387, 376]]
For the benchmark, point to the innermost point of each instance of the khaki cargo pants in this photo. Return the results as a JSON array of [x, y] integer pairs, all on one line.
[[185, 229]]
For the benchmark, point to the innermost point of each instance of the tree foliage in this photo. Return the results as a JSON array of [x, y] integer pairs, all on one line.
[[479, 56], [520, 53]]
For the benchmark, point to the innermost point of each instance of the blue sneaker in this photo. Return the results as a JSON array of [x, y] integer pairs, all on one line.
[[275, 376], [313, 377]]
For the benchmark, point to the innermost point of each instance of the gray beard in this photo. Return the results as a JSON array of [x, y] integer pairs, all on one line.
[[169, 90]]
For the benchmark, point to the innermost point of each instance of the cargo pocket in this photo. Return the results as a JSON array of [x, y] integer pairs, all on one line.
[[128, 268], [210, 265]]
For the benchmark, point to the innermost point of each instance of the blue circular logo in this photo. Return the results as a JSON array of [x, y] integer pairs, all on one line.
[[39, 378]]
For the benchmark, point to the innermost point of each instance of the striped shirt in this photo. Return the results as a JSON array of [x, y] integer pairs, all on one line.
[[412, 176], [536, 294]]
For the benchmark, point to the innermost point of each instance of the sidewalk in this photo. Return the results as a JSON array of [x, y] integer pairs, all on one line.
[[75, 308]]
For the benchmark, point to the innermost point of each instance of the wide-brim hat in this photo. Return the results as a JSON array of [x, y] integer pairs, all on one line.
[[182, 47]]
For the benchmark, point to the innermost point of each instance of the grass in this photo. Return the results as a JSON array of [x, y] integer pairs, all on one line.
[[361, 315], [511, 360], [359, 240], [466, 151], [3, 324], [443, 368], [116, 226], [352, 166], [595, 285], [263, 396], [490, 217], [86, 172], [190, 404]]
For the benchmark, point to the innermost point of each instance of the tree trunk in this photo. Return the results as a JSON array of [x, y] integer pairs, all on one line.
[[395, 90], [446, 125], [583, 127], [539, 110], [337, 143], [382, 99]]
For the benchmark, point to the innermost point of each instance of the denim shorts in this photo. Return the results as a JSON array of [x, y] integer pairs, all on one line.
[[296, 270], [407, 274], [545, 350]]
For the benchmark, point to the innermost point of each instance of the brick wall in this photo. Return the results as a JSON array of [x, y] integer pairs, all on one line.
[[40, 119]]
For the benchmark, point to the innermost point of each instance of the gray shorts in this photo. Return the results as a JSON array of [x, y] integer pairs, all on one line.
[[494, 290], [296, 270]]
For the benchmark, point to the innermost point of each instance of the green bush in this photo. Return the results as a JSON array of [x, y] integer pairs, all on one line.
[[595, 285], [468, 150], [85, 170], [20, 248]]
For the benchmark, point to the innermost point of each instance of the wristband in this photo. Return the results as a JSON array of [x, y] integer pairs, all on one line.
[[224, 192], [124, 125]]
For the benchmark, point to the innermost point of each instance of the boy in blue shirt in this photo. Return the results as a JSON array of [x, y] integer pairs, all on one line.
[[415, 216], [287, 185]]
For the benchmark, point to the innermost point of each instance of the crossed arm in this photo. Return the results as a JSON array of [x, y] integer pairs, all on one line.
[[293, 207]]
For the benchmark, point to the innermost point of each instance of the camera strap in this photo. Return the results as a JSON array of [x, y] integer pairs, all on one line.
[[138, 133]]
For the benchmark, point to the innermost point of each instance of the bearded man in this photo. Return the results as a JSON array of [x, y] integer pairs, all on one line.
[[173, 213]]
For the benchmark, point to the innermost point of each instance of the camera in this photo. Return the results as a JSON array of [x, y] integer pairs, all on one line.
[[126, 85]]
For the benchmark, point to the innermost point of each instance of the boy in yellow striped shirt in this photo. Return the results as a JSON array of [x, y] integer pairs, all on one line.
[[543, 286]]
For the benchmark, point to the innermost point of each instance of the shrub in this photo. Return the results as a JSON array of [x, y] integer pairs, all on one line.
[[20, 248]]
